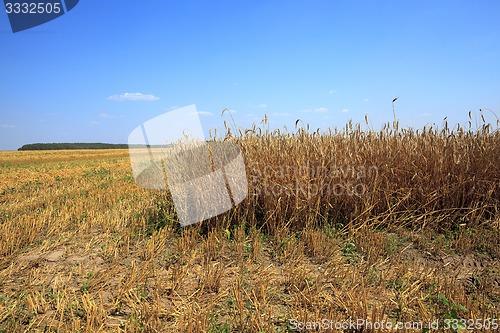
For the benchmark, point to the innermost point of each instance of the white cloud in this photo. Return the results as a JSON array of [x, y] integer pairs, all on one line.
[[320, 109], [366, 100], [426, 114], [262, 106], [105, 115], [7, 126], [283, 114], [203, 113], [133, 97], [331, 92], [344, 110]]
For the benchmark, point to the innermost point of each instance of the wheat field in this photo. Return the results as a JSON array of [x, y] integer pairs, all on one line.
[[396, 225]]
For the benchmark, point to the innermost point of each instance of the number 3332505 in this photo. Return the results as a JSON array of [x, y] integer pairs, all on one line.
[[33, 8]]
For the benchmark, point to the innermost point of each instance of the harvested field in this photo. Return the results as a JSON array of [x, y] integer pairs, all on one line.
[[400, 226]]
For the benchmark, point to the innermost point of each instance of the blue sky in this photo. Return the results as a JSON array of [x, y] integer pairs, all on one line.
[[105, 67]]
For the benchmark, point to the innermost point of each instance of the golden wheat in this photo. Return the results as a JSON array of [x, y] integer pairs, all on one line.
[[395, 225]]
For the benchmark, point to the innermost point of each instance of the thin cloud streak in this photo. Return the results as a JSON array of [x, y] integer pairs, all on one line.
[[320, 110], [203, 113], [133, 97]]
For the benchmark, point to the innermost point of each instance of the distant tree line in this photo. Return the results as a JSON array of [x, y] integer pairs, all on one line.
[[59, 146]]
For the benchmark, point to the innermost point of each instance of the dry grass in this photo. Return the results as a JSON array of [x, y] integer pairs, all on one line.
[[396, 225]]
